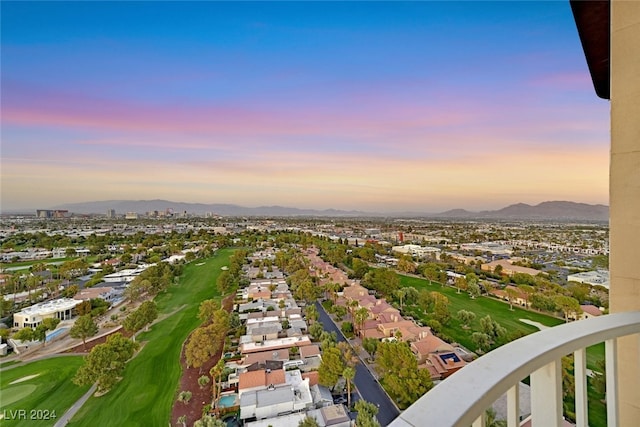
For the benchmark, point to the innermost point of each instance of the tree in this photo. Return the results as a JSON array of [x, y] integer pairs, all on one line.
[[149, 312], [308, 421], [333, 289], [406, 264], [498, 269], [491, 421], [400, 376], [311, 313], [5, 306], [105, 363], [481, 340], [382, 280], [466, 317], [370, 345], [83, 308], [216, 373], [403, 293], [199, 348], [206, 310], [347, 329], [306, 291], [348, 356], [512, 295], [440, 308], [331, 367], [367, 412], [461, 283], [425, 301], [134, 290], [70, 291], [348, 374], [24, 334], [40, 333], [474, 290], [359, 317], [472, 285], [492, 328], [225, 282], [83, 328], [359, 268], [568, 305], [315, 331], [141, 317], [527, 291]]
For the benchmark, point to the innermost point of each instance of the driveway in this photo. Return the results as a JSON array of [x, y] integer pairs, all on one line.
[[367, 386]]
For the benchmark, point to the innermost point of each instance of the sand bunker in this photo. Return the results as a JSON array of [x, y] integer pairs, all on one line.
[[27, 378]]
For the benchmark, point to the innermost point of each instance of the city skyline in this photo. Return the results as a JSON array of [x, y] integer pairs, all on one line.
[[365, 106]]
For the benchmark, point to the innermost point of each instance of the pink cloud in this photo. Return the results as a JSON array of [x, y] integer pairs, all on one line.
[[564, 81]]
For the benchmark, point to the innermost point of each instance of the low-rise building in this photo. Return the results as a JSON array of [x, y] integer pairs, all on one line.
[[508, 268], [598, 277], [106, 293], [31, 317]]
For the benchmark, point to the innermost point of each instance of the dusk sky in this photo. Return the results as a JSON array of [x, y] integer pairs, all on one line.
[[421, 106]]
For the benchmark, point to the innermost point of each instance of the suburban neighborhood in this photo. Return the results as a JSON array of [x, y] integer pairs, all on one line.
[[309, 322]]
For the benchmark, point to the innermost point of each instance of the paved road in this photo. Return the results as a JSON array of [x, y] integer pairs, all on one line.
[[369, 389]]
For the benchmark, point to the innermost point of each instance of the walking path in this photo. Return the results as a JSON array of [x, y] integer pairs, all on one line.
[[64, 420], [533, 323]]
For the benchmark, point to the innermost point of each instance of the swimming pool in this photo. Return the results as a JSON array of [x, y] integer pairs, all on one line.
[[55, 334], [228, 400]]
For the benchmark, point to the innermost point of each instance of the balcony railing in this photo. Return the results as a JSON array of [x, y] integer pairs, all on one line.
[[461, 400]]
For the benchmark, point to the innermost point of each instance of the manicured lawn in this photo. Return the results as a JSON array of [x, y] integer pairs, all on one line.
[[49, 392], [500, 312], [481, 306], [146, 394]]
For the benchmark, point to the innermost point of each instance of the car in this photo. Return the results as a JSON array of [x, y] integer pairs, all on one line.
[[340, 401]]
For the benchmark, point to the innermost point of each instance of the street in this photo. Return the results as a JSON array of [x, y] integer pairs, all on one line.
[[367, 386]]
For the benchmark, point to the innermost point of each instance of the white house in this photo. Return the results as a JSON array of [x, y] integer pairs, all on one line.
[[31, 317]]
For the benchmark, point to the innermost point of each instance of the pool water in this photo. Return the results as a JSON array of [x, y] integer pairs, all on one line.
[[227, 401], [55, 333]]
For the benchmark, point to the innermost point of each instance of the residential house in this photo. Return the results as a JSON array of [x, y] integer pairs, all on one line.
[[589, 311], [259, 379]]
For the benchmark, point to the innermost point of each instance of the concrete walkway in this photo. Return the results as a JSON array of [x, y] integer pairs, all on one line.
[[64, 420], [533, 323]]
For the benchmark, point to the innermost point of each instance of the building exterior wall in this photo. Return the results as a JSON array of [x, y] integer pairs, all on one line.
[[624, 193], [33, 316]]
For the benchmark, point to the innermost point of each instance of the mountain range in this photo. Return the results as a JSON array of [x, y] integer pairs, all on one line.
[[556, 210]]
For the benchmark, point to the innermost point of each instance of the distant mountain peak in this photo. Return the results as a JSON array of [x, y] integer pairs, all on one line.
[[551, 210]]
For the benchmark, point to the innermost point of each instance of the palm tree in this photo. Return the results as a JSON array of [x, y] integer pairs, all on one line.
[[216, 374], [348, 374], [360, 316], [352, 305], [491, 421]]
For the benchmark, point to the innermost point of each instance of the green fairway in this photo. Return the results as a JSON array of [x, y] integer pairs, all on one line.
[[146, 394], [481, 306], [38, 393], [508, 318]]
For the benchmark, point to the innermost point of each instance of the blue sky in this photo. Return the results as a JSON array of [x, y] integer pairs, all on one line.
[[381, 106]]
